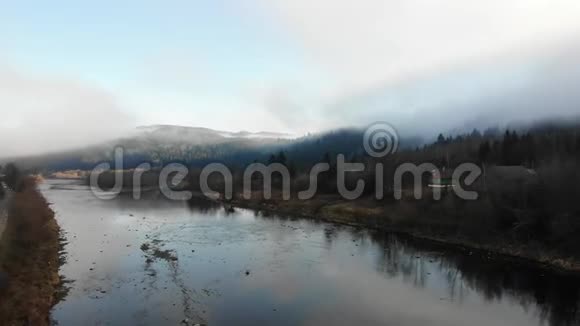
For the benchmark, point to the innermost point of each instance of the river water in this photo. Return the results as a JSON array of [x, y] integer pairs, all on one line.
[[160, 262]]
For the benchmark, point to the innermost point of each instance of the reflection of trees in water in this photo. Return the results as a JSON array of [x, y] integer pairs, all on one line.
[[398, 260], [204, 205], [155, 199], [330, 234], [556, 296]]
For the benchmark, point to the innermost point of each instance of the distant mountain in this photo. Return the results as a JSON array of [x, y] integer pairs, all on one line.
[[160, 144], [198, 135], [196, 147]]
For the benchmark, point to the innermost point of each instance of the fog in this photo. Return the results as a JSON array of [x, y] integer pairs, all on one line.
[[522, 89], [43, 113], [426, 67]]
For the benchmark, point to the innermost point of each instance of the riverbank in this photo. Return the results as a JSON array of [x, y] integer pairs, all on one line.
[[29, 259], [400, 217], [4, 200]]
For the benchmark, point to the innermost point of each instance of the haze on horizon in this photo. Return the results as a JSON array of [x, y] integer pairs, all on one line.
[[75, 73]]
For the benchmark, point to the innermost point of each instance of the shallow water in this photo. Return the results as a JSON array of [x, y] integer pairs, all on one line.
[[201, 264]]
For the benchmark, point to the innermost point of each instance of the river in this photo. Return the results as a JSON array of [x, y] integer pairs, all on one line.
[[160, 262]]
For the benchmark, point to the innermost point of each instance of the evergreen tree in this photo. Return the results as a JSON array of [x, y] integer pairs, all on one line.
[[484, 152], [292, 169], [281, 158], [326, 158], [12, 176]]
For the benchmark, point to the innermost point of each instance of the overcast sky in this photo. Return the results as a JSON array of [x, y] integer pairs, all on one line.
[[77, 72]]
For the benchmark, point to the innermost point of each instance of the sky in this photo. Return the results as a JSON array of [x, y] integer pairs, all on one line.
[[74, 73]]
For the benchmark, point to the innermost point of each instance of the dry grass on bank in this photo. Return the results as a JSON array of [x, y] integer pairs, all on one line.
[[29, 256]]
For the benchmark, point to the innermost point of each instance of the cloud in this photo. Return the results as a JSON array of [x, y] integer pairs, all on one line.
[[46, 113], [428, 66], [522, 89], [294, 106], [363, 42]]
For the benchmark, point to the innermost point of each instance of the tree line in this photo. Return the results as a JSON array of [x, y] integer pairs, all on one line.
[[12, 178]]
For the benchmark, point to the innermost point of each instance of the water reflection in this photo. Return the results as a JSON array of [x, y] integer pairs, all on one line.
[[555, 295], [204, 205], [244, 267]]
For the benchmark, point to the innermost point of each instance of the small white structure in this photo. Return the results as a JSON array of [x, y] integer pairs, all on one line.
[[441, 179]]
